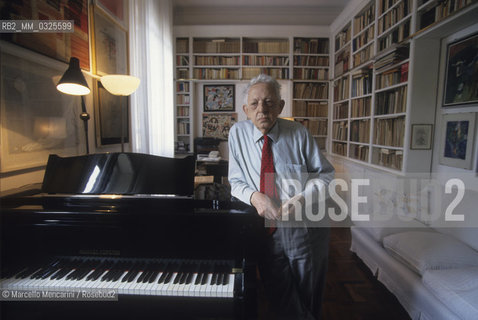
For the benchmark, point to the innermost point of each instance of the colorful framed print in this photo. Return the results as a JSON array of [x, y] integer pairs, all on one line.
[[461, 86], [457, 140], [219, 98], [217, 125]]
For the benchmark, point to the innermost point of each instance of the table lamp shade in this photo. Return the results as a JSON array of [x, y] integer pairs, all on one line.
[[120, 85], [73, 82]]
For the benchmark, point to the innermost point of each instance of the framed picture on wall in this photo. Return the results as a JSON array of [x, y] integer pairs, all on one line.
[[421, 137], [62, 45], [461, 86], [116, 9], [36, 119], [217, 125], [111, 115], [219, 98], [111, 54], [457, 140]]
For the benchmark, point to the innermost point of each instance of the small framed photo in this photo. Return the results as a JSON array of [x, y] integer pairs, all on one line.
[[457, 140], [219, 98], [421, 137], [461, 86]]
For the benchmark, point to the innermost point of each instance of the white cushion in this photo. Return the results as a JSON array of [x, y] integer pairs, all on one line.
[[380, 229], [455, 288], [422, 251]]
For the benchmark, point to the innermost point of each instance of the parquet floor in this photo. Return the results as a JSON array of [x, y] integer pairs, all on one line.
[[352, 293]]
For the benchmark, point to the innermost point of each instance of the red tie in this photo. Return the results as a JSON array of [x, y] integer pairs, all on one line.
[[268, 185]]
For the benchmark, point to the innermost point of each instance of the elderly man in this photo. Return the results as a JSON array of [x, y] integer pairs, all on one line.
[[263, 150]]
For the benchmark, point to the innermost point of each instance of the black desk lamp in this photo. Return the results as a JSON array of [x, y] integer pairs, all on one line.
[[73, 82]]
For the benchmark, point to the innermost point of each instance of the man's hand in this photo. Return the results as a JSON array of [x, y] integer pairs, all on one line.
[[265, 206], [289, 207]]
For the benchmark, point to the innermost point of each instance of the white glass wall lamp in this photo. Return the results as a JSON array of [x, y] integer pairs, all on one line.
[[120, 85], [74, 83]]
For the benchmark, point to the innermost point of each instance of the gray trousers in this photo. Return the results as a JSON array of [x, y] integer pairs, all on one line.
[[293, 267]]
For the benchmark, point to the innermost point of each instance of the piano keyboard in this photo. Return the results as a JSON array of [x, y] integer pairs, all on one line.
[[153, 277]]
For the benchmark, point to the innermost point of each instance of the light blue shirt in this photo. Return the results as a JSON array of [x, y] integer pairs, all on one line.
[[296, 156]]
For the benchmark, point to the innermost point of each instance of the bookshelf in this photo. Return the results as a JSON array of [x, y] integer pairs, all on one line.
[[183, 95], [431, 12], [264, 55], [216, 58], [310, 86], [370, 114]]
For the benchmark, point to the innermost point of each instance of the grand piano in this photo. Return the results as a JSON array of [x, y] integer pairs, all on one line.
[[128, 223]]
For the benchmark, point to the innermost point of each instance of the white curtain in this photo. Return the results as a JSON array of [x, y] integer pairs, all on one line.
[[151, 59]]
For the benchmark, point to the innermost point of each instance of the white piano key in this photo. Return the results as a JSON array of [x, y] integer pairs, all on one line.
[[230, 287]]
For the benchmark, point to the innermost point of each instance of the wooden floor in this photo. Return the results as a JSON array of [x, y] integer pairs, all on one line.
[[352, 293]]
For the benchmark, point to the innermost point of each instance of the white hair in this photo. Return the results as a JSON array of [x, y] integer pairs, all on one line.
[[263, 78]]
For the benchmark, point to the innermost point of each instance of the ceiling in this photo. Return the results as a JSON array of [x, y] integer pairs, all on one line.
[[257, 12]]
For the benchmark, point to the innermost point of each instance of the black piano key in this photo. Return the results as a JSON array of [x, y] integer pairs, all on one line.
[[225, 280], [189, 277], [164, 272], [220, 278], [130, 272]]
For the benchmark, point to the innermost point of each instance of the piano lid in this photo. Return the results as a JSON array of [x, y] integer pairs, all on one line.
[[119, 173]]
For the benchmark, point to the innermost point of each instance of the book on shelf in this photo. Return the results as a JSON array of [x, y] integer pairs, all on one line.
[[441, 10], [216, 60], [182, 99], [311, 46], [397, 54], [388, 158], [278, 73], [311, 61], [265, 46], [391, 101], [342, 38], [364, 19], [265, 61], [394, 16], [341, 89], [339, 148], [342, 62], [361, 107], [215, 73], [362, 82], [216, 46], [182, 86], [341, 110], [398, 35], [311, 74], [340, 130], [307, 90], [360, 131], [389, 132], [359, 152], [182, 45]]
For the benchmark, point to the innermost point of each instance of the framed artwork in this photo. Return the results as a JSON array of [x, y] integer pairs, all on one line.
[[217, 125], [219, 98], [111, 116], [457, 140], [111, 54], [461, 86], [115, 9], [421, 137], [36, 119], [60, 46]]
